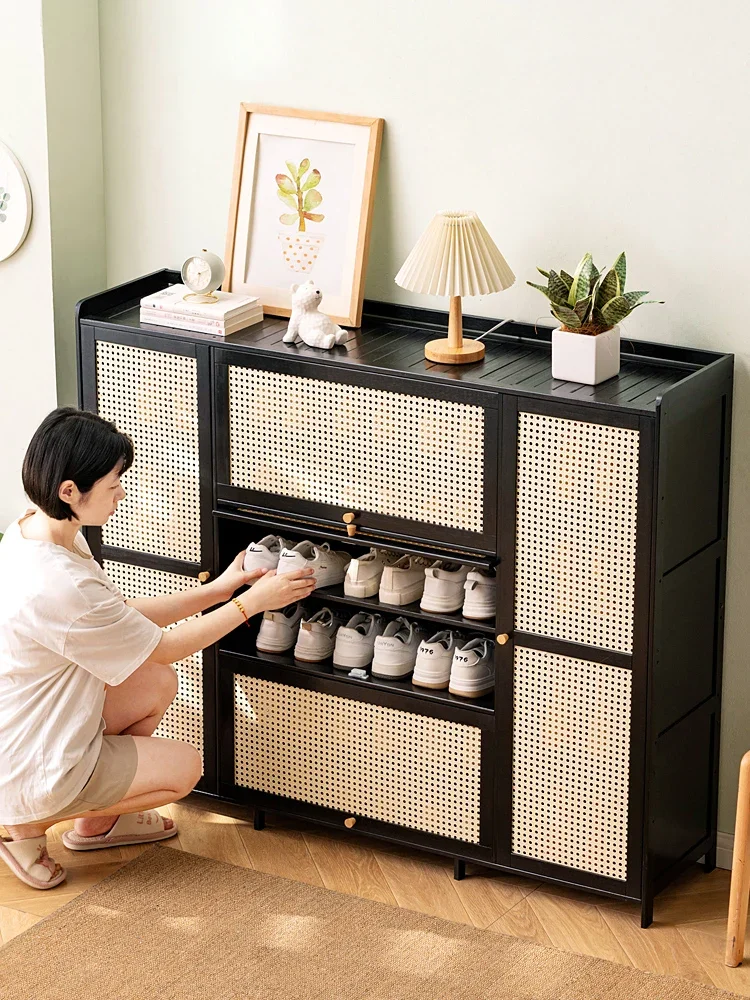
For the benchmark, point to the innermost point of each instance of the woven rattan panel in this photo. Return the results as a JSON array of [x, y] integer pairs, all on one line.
[[575, 530], [571, 751], [352, 446], [153, 397], [183, 720], [363, 759]]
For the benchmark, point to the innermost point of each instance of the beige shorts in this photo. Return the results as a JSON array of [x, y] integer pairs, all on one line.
[[110, 780]]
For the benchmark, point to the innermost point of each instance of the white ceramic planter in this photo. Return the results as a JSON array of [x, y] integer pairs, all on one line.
[[579, 357]]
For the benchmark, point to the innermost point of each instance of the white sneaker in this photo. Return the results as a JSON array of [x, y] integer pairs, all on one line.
[[329, 566], [355, 641], [403, 582], [434, 659], [473, 669], [265, 553], [317, 636], [363, 574], [443, 587], [396, 649], [278, 629], [480, 595]]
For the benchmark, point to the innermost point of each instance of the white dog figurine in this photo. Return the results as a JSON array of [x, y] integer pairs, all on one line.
[[307, 324]]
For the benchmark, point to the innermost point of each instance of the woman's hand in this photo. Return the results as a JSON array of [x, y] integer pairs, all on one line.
[[272, 592], [234, 577]]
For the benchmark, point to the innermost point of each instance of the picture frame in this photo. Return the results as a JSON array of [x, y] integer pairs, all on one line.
[[303, 189]]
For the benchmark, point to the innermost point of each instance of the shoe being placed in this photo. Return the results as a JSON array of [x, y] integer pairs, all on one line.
[[480, 595], [443, 587], [473, 669], [363, 574], [317, 636], [396, 649], [265, 553], [403, 582], [355, 641], [434, 659], [278, 629], [329, 566]]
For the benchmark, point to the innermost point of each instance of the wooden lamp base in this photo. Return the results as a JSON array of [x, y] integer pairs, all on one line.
[[453, 350]]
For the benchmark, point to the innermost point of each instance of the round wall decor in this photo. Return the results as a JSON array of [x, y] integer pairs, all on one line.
[[15, 203]]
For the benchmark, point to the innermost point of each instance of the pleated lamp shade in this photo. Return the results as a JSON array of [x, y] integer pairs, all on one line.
[[455, 256]]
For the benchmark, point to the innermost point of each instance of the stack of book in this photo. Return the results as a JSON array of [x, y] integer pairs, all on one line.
[[230, 313]]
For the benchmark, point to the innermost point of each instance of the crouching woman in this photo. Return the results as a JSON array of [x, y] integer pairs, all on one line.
[[85, 674]]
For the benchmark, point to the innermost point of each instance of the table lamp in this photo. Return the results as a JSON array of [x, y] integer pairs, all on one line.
[[455, 256]]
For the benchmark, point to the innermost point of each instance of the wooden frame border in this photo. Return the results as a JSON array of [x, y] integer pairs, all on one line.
[[375, 125]]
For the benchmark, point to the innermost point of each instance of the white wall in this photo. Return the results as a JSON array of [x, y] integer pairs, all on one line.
[[595, 127], [27, 368]]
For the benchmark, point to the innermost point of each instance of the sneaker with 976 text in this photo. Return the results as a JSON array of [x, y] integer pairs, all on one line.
[[434, 659], [473, 669]]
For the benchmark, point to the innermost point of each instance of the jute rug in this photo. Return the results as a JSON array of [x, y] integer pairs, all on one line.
[[172, 926]]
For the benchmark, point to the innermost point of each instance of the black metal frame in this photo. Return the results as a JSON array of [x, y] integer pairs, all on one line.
[[656, 395]]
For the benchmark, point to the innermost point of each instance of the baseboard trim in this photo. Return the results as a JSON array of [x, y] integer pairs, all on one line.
[[724, 850]]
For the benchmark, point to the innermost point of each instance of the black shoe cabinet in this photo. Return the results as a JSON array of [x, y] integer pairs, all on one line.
[[602, 509]]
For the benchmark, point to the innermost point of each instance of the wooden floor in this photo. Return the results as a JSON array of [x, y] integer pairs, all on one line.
[[686, 939]]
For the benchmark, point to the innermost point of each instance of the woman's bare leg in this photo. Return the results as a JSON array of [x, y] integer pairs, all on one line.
[[167, 770]]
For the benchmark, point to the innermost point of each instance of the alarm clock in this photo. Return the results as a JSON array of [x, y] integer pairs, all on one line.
[[202, 274]]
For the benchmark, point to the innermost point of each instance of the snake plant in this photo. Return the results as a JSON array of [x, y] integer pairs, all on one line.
[[588, 301]]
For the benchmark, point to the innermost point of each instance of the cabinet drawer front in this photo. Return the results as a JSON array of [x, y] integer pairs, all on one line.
[[398, 458], [571, 762], [352, 756], [576, 530], [183, 720], [153, 397]]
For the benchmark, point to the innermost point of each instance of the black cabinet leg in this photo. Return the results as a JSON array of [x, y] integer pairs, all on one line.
[[647, 911], [259, 820], [459, 869], [709, 862]]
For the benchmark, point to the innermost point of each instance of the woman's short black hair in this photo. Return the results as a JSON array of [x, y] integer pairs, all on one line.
[[71, 444]]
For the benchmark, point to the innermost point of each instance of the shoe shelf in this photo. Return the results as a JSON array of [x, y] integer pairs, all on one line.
[[454, 621], [241, 644], [300, 528]]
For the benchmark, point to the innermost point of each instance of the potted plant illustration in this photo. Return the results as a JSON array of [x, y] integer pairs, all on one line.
[[589, 306], [300, 248]]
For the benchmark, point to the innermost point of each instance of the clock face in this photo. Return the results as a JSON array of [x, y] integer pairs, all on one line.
[[197, 274]]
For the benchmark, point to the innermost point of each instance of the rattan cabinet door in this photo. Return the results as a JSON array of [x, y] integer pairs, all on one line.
[[316, 441], [420, 775], [189, 716], [571, 683], [157, 392]]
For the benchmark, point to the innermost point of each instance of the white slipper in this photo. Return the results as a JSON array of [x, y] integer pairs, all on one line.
[[29, 861], [130, 828]]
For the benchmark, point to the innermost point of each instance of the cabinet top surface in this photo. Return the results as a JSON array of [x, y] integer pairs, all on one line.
[[391, 341]]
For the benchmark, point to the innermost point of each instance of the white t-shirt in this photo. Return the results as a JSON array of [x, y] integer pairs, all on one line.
[[65, 632]]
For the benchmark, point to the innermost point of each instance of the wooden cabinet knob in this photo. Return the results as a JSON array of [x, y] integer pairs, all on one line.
[[349, 822], [502, 639], [204, 575], [351, 527]]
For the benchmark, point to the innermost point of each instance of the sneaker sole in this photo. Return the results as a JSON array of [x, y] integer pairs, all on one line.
[[470, 694], [312, 659], [277, 649], [376, 672], [355, 663], [478, 612], [368, 589], [438, 608], [428, 684], [398, 598]]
